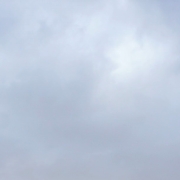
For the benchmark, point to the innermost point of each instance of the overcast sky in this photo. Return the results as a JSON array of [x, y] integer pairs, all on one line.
[[89, 90]]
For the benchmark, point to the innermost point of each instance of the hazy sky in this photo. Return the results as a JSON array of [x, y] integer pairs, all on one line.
[[89, 90]]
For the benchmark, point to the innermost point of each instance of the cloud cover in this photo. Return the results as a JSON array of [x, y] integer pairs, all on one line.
[[89, 90]]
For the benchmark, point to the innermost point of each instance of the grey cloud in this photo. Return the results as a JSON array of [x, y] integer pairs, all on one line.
[[69, 110]]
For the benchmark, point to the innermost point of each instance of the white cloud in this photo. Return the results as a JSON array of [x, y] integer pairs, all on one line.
[[89, 90]]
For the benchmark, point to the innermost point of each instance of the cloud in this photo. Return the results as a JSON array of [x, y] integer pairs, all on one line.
[[89, 90]]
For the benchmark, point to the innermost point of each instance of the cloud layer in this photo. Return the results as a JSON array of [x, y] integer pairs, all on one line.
[[89, 90]]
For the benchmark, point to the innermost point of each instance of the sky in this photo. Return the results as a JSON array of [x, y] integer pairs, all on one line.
[[89, 90]]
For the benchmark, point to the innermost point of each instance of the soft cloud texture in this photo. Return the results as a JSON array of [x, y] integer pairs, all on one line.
[[89, 90]]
